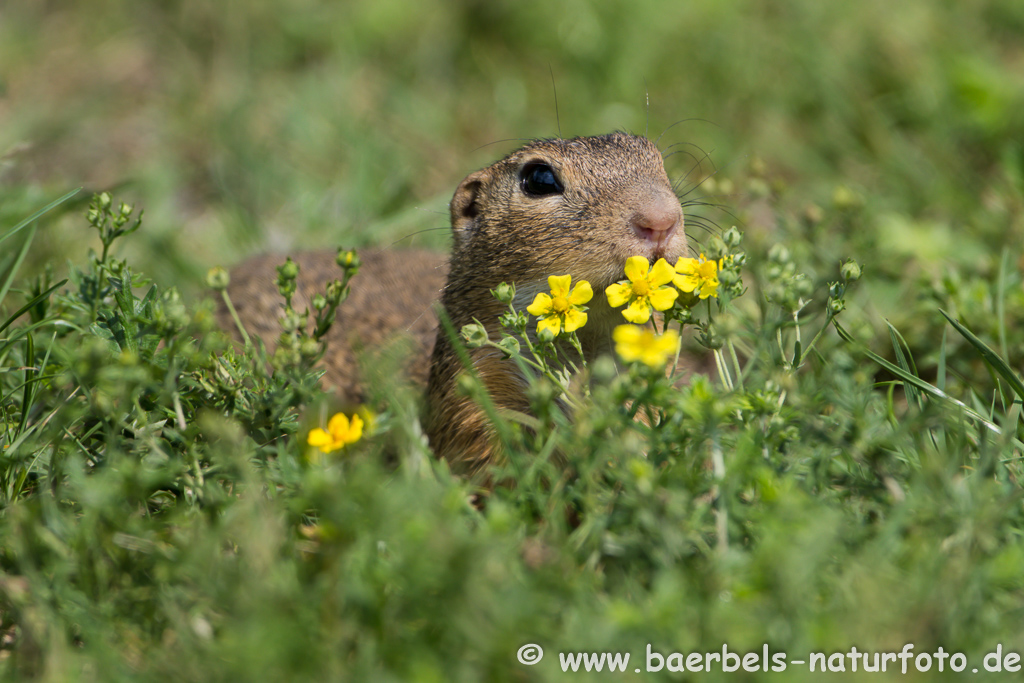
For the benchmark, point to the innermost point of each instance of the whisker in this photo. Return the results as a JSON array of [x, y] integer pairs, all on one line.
[[698, 164], [498, 142], [418, 232], [684, 121]]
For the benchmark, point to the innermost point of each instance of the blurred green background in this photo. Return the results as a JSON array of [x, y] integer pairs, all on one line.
[[890, 131], [282, 124]]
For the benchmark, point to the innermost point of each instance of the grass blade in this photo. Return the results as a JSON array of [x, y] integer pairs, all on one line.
[[30, 304], [918, 382], [908, 366], [55, 203], [6, 286], [991, 357]]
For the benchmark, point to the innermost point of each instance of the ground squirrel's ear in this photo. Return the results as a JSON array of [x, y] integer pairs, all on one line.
[[465, 205]]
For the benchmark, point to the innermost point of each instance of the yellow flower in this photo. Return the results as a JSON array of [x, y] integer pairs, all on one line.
[[340, 432], [697, 275], [634, 343], [644, 291], [562, 309]]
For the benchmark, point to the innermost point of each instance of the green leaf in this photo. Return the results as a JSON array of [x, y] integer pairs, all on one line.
[[127, 313]]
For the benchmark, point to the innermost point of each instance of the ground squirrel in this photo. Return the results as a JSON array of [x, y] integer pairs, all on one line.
[[554, 207]]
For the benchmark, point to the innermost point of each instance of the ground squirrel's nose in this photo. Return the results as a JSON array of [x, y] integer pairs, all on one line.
[[658, 220]]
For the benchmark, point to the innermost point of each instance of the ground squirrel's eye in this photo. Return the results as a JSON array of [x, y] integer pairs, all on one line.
[[538, 180]]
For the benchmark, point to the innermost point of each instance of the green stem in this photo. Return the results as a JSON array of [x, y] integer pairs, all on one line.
[[723, 369], [736, 364], [828, 321], [234, 316]]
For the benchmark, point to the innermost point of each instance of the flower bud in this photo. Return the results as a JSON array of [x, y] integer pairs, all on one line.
[[728, 277], [334, 291], [348, 260], [545, 335], [289, 270], [103, 201], [685, 315], [475, 335], [732, 237], [716, 248], [309, 348], [710, 339], [779, 253], [319, 302], [291, 321], [504, 293], [510, 345], [509, 320], [217, 279], [850, 270], [603, 369]]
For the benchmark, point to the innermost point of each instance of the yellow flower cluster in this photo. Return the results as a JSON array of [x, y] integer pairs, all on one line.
[[646, 289]]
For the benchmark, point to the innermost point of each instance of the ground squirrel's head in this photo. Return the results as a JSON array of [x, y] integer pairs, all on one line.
[[576, 207], [555, 207]]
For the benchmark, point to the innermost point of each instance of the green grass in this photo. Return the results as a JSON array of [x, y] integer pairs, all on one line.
[[160, 516]]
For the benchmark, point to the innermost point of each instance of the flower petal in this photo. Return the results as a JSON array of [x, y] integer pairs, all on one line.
[[338, 426], [627, 338], [686, 266], [638, 312], [540, 306], [686, 283], [550, 323], [581, 293], [667, 344], [355, 431], [559, 285], [318, 437], [636, 268], [662, 273], [574, 320], [709, 288], [618, 294], [662, 299]]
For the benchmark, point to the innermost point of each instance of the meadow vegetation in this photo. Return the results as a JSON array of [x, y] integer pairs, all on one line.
[[846, 472]]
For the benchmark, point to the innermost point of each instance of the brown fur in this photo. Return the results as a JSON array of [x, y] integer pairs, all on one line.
[[615, 192], [391, 301]]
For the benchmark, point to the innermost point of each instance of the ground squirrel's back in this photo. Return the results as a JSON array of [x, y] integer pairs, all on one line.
[[392, 301]]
